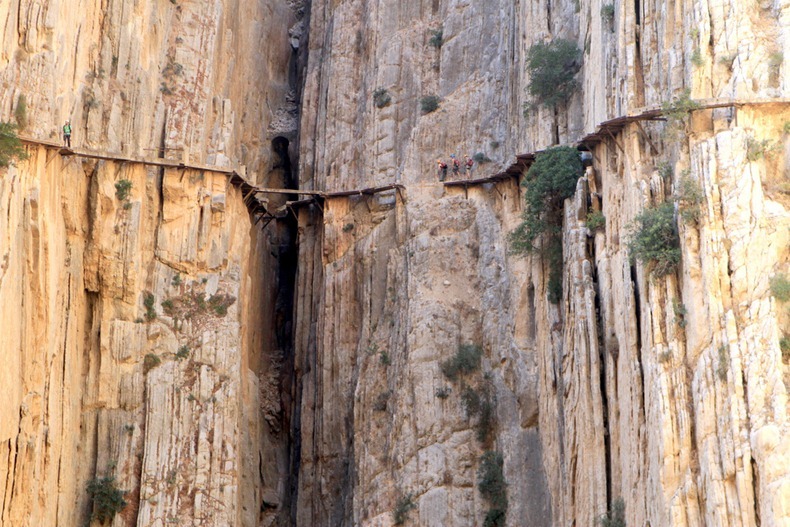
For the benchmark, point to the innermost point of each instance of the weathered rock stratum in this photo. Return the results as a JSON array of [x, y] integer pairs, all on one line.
[[228, 368], [668, 393]]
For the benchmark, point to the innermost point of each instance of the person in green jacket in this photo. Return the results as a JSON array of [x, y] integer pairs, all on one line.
[[67, 134]]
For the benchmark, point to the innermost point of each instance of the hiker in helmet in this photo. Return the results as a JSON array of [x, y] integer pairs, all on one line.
[[456, 164], [67, 134], [442, 169], [469, 163]]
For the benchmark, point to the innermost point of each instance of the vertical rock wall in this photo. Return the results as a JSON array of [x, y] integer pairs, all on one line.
[[126, 351], [202, 81], [138, 333], [149, 338], [666, 392]]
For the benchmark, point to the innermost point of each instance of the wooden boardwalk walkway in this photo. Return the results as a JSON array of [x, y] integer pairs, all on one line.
[[250, 192], [610, 128], [258, 206]]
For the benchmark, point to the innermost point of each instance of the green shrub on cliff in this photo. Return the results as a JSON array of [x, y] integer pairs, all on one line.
[[20, 112], [595, 220], [552, 71], [429, 104], [655, 241], [493, 487], [381, 98], [607, 13], [437, 38], [122, 189], [107, 499], [11, 149], [402, 508], [549, 182], [690, 198], [614, 517], [466, 360], [780, 287]]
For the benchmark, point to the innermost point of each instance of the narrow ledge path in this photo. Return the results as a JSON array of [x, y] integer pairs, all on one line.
[[257, 204]]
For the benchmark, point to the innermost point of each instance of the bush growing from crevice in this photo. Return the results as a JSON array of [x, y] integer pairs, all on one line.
[[443, 392], [728, 60], [680, 312], [614, 517], [403, 506], [493, 487], [757, 149], [677, 111], [549, 182], [552, 71], [595, 220], [20, 112], [655, 241], [470, 400], [665, 170], [150, 362], [123, 188], [381, 98], [429, 104], [183, 352], [384, 358], [780, 287], [219, 304], [107, 499], [11, 148], [465, 361], [481, 405], [437, 38], [148, 301], [486, 421], [784, 345], [607, 14], [690, 198], [696, 58]]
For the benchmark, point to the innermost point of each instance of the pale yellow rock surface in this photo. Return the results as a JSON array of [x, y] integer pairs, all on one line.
[[627, 395], [209, 82], [670, 393]]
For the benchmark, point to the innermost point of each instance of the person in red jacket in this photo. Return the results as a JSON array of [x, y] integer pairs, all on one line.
[[456, 164], [469, 162]]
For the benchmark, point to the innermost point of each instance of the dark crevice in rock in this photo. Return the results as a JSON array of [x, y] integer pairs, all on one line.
[[638, 347], [603, 358]]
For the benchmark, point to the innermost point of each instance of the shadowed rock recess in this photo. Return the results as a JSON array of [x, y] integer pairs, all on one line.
[[230, 357]]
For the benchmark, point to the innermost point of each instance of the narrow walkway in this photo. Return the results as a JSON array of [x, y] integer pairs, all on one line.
[[258, 206], [254, 203], [608, 130]]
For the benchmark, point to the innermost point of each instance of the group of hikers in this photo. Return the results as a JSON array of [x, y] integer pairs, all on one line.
[[468, 164]]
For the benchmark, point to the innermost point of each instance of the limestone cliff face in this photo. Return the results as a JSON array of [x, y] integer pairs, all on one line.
[[666, 392], [204, 81], [134, 339], [226, 376], [124, 336]]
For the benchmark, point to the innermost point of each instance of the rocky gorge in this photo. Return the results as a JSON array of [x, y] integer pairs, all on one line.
[[232, 356]]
